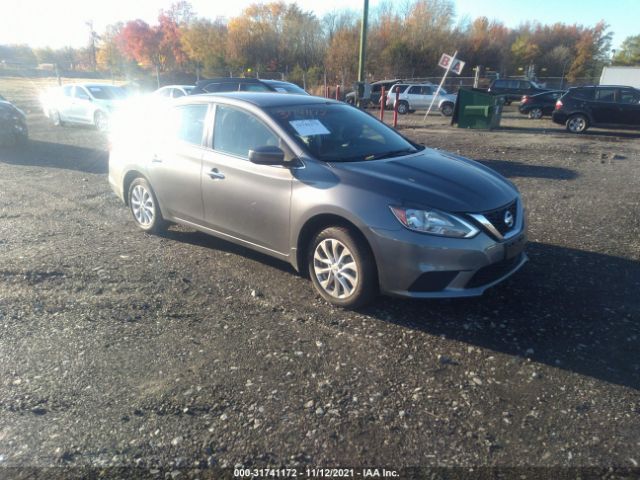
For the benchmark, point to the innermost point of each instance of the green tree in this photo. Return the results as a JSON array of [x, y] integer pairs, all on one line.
[[203, 41], [629, 53]]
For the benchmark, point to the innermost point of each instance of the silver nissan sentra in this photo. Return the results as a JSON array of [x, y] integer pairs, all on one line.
[[326, 187]]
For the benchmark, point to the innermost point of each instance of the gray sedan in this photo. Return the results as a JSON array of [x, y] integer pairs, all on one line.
[[327, 188]]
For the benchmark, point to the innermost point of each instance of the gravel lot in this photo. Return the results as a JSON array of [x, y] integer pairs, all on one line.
[[181, 351]]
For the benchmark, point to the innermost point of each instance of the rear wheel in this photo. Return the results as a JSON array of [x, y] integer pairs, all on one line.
[[403, 107], [342, 268], [577, 123], [535, 113], [144, 207]]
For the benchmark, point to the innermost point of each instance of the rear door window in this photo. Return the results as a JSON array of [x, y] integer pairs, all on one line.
[[253, 87], [221, 87], [606, 94], [583, 93], [500, 84]]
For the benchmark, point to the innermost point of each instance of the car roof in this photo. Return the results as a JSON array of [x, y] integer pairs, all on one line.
[[265, 99], [91, 84], [605, 86], [380, 82]]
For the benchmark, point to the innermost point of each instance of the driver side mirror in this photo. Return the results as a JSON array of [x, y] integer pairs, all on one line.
[[266, 155]]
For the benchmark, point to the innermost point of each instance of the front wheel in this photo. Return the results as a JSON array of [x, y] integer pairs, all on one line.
[[56, 119], [342, 268], [446, 109], [577, 123], [535, 113], [144, 207], [101, 121]]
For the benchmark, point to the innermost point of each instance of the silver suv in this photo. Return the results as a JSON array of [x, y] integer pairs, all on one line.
[[419, 96], [326, 187]]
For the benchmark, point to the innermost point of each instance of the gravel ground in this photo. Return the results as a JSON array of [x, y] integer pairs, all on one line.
[[181, 351]]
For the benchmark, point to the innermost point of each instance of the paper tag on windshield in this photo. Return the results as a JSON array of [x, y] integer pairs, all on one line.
[[308, 128]]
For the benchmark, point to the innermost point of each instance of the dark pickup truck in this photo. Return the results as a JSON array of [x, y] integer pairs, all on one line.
[[513, 89]]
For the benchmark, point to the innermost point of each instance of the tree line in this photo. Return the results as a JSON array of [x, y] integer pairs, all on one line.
[[282, 40]]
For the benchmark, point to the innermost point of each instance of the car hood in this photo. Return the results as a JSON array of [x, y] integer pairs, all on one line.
[[433, 179]]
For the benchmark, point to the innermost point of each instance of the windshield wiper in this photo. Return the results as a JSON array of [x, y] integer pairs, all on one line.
[[392, 153]]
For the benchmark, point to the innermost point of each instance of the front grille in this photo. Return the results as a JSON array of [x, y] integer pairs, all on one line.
[[493, 272], [496, 217]]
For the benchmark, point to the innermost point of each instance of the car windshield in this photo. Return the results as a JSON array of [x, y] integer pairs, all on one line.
[[102, 92], [340, 133]]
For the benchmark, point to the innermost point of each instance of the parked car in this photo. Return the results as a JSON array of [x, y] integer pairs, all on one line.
[[328, 188], [376, 91], [420, 95], [13, 124], [604, 106], [83, 103], [285, 87], [540, 104], [172, 91], [514, 89], [231, 84]]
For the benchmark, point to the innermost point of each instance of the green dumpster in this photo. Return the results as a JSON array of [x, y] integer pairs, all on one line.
[[477, 109]]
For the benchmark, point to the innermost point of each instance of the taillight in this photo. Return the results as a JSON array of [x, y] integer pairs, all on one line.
[[524, 99], [558, 105]]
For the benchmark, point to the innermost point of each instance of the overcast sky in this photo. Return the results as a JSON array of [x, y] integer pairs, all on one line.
[[58, 23]]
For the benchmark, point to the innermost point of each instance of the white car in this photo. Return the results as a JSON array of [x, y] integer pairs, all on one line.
[[172, 91], [83, 103], [414, 96]]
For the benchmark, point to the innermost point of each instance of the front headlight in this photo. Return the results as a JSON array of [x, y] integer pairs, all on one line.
[[434, 222]]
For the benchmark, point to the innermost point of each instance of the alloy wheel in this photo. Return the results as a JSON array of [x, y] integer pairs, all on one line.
[[577, 124], [335, 268], [142, 206], [536, 113]]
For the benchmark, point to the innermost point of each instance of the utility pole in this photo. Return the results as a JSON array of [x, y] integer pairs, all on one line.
[[363, 41]]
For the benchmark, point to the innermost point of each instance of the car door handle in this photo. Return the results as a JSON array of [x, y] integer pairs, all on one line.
[[215, 174]]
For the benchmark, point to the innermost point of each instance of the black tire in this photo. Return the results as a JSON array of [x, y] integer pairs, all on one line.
[[101, 121], [446, 109], [577, 123], [365, 287], [507, 102], [54, 115], [150, 219], [403, 107]]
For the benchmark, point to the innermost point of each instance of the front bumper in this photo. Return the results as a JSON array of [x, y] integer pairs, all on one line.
[[412, 264]]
